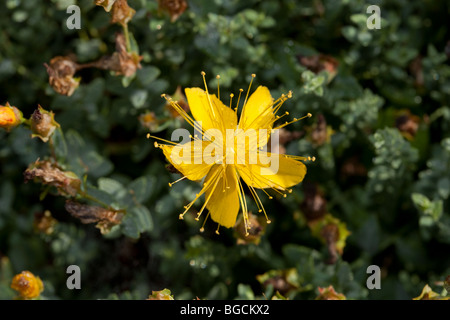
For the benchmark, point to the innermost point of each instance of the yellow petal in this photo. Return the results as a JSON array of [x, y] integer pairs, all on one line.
[[223, 200], [211, 112], [188, 158], [258, 111], [287, 173]]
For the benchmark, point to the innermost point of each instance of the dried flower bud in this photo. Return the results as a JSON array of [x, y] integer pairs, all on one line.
[[353, 167], [10, 117], [106, 4], [43, 124], [27, 284], [164, 294], [149, 121], [121, 62], [66, 182], [321, 133], [61, 71], [44, 222], [173, 7], [257, 226], [105, 218], [429, 294], [320, 63], [121, 12], [314, 206], [407, 124], [282, 281], [447, 284], [332, 232], [329, 294]]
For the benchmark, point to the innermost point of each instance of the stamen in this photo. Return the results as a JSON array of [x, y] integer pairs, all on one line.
[[239, 98], [207, 94], [204, 222], [259, 203], [218, 86], [295, 120], [217, 231], [231, 100], [248, 92], [156, 144], [172, 183]]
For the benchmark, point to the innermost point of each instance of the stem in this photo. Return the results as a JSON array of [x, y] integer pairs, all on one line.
[[127, 37]]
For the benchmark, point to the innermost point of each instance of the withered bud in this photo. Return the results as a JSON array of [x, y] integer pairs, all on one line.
[[106, 4], [61, 73], [149, 121], [447, 284], [330, 234], [121, 62], [164, 294], [121, 12], [44, 222], [353, 167], [321, 62], [105, 218], [174, 8], [45, 172], [329, 294], [407, 124], [282, 281], [257, 226], [314, 206], [320, 133], [43, 124]]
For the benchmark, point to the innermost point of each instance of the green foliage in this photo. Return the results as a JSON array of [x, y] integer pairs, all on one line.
[[388, 182]]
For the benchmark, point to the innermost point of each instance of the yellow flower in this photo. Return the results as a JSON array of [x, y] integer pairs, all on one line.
[[238, 157], [27, 284], [10, 117]]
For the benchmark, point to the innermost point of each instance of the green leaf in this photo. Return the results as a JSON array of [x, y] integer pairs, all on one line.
[[141, 188], [130, 227], [142, 217]]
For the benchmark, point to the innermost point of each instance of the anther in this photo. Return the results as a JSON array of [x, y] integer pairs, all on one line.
[[156, 144], [202, 229], [268, 221], [148, 135], [181, 216], [253, 75], [313, 158], [203, 73], [309, 115]]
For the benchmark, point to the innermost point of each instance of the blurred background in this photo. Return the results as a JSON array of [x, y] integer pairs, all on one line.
[[377, 194]]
